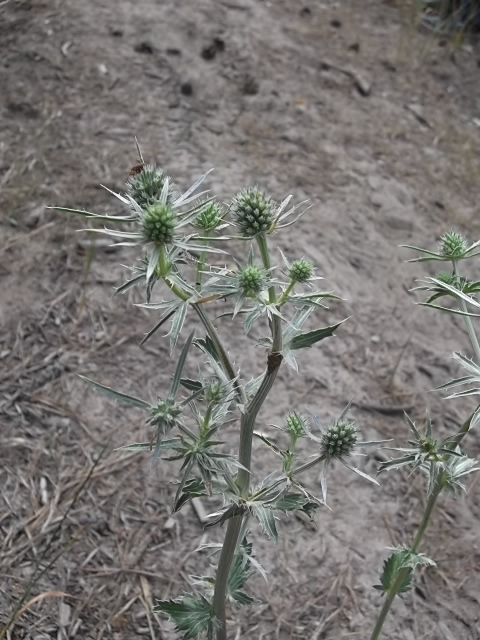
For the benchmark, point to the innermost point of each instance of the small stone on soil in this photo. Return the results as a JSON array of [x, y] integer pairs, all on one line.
[[144, 47], [186, 88], [210, 51]]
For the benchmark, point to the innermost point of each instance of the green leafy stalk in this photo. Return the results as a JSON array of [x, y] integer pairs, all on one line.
[[221, 353], [201, 264], [471, 331], [468, 322], [403, 574]]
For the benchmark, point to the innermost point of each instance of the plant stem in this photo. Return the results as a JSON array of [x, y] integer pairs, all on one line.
[[227, 554], [403, 573], [262, 245], [471, 331], [468, 322], [247, 425], [286, 293], [164, 268], [222, 354], [201, 266]]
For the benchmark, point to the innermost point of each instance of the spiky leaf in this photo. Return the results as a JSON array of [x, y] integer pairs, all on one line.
[[191, 614], [266, 518], [308, 339], [391, 568], [117, 395]]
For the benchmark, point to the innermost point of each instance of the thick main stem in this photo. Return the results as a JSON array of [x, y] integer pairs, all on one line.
[[247, 424], [221, 579]]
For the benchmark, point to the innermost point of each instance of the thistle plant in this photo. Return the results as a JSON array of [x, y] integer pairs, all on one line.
[[441, 460], [194, 421]]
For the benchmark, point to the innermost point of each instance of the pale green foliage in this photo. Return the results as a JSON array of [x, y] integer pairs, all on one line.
[[440, 460]]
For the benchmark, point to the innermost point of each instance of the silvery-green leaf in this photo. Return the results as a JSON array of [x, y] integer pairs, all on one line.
[[454, 291], [185, 197], [266, 518], [130, 283], [97, 216], [117, 395], [391, 568], [157, 326], [358, 472], [191, 385], [311, 337], [180, 364], [192, 614], [266, 441], [177, 324], [254, 315], [153, 262], [147, 446], [454, 311], [117, 195]]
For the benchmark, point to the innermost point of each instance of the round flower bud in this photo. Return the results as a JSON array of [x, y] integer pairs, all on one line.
[[251, 280], [301, 271], [146, 186], [165, 415], [253, 212], [340, 439], [159, 223], [445, 277], [453, 245], [209, 218], [214, 392], [295, 424]]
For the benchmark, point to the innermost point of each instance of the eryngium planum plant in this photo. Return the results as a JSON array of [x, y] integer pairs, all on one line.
[[176, 235]]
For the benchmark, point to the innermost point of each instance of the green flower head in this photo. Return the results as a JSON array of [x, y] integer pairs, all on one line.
[[253, 212], [210, 217], [296, 424], [301, 271], [453, 245], [447, 278], [339, 442], [145, 187], [252, 280], [159, 223], [165, 415], [340, 439]]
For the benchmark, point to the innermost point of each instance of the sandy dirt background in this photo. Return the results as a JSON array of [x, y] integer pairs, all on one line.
[[335, 102]]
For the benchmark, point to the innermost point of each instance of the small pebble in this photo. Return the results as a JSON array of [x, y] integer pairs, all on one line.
[[144, 47]]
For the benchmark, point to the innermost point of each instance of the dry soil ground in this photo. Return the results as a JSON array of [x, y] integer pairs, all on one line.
[[330, 101]]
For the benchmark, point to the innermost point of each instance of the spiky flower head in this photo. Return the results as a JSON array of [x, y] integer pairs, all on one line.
[[447, 278], [214, 392], [146, 186], [165, 415], [159, 223], [251, 280], [301, 271], [453, 245], [340, 439], [210, 217], [253, 212], [295, 424]]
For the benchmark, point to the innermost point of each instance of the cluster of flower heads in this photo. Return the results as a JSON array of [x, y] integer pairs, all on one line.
[[167, 223]]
